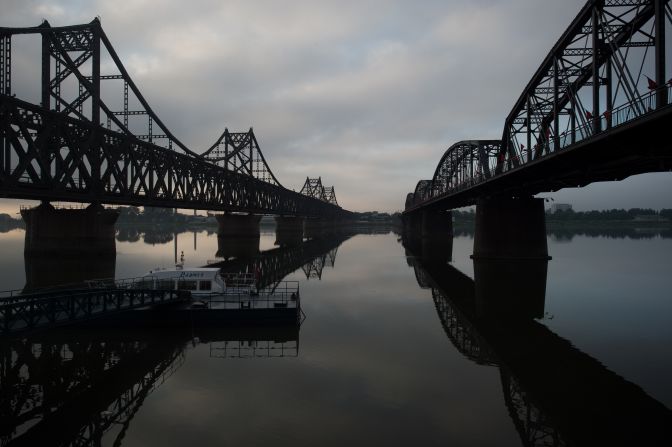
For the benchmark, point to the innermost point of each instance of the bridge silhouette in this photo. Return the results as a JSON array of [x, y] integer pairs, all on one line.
[[596, 110], [95, 139], [556, 394]]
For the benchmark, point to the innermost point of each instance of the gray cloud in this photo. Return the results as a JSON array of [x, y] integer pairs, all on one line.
[[367, 94]]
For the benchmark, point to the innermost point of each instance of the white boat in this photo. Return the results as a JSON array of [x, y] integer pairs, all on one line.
[[198, 280]]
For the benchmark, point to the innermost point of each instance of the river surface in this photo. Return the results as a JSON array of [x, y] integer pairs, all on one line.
[[375, 362]]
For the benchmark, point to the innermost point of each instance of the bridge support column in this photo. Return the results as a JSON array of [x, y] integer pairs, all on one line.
[[510, 229], [238, 235], [69, 231], [436, 223], [510, 257], [288, 230], [243, 225]]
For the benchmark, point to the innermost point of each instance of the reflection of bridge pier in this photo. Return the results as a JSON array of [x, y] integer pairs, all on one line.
[[69, 231], [431, 234], [56, 269], [510, 257], [510, 229], [556, 394], [288, 230], [238, 235]]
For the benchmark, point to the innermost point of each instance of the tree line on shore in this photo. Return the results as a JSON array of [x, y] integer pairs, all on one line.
[[613, 215]]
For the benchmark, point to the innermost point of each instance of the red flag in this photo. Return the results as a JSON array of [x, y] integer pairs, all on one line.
[[652, 84], [589, 115]]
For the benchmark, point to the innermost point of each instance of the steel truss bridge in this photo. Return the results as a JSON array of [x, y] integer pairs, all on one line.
[[94, 138], [555, 394], [597, 109]]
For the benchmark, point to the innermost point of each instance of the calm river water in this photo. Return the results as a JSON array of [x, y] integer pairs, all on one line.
[[379, 360]]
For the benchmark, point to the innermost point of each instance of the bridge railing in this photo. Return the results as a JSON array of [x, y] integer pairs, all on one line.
[[620, 115], [623, 114]]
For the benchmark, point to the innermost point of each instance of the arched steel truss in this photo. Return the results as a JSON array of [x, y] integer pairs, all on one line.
[[464, 164], [94, 138], [606, 70]]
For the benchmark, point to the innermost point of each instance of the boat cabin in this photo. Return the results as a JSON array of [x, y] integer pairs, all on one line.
[[198, 281]]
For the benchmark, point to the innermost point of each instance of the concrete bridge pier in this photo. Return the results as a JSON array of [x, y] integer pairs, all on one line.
[[510, 257], [238, 235], [431, 235], [69, 231], [288, 230], [239, 225]]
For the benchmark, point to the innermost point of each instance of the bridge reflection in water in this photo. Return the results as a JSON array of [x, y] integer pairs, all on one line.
[[556, 395], [78, 385], [75, 387]]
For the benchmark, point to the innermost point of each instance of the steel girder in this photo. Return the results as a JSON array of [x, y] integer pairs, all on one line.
[[72, 56], [74, 86], [313, 187], [606, 73], [239, 152], [51, 156], [607, 69]]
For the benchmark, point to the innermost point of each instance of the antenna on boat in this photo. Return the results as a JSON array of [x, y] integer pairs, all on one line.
[[180, 265]]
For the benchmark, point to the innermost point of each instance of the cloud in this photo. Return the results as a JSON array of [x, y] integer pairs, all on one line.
[[367, 94]]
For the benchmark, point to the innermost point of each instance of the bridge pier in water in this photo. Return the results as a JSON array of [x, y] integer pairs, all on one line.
[[240, 225], [288, 230], [69, 231], [433, 233], [510, 257], [238, 235]]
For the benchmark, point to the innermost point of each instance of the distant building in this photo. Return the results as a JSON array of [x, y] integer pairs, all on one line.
[[561, 207]]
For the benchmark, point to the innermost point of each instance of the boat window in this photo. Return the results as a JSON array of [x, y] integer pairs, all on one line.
[[205, 285], [186, 285]]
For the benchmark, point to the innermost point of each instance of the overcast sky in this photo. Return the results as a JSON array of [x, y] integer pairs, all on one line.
[[367, 94]]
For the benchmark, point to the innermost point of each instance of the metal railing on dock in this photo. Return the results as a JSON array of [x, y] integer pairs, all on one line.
[[21, 313], [283, 295]]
